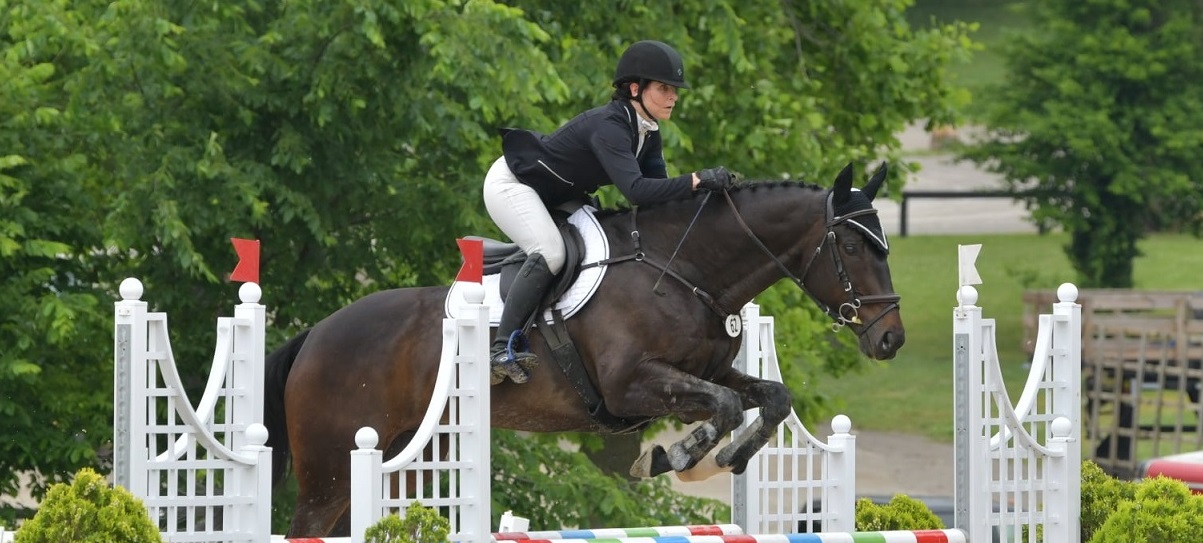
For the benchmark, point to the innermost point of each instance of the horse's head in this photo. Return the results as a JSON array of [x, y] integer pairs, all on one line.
[[847, 273]]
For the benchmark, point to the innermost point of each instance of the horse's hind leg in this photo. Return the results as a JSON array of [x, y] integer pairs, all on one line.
[[774, 401], [318, 517]]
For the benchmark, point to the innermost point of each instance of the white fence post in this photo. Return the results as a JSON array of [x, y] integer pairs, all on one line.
[[745, 500], [256, 518], [247, 363], [842, 469], [367, 483], [129, 378], [475, 419], [973, 506]]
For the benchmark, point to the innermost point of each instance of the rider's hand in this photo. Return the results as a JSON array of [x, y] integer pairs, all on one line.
[[715, 179]]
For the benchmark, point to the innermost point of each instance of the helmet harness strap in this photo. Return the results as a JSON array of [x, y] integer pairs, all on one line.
[[639, 98]]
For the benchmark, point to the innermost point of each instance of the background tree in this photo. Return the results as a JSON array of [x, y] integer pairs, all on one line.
[[351, 138], [1100, 119]]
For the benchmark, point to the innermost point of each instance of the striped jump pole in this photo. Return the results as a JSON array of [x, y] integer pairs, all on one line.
[[622, 533], [916, 536]]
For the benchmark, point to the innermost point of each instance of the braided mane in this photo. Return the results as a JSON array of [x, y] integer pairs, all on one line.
[[742, 186]]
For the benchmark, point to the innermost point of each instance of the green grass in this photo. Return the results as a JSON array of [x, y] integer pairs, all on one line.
[[913, 392]]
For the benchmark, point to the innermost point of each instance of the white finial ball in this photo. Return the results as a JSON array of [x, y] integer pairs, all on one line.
[[366, 438], [256, 434], [1067, 292], [841, 424], [249, 293], [131, 289], [474, 293], [1061, 427], [967, 295]]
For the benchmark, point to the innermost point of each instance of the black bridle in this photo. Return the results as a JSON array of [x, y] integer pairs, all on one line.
[[848, 312]]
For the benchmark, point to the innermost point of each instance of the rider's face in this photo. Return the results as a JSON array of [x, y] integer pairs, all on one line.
[[659, 99]]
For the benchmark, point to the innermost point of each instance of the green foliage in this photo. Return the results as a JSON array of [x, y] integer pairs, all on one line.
[[1101, 496], [420, 525], [52, 416], [1163, 509], [351, 137], [901, 513], [540, 480], [89, 511], [1100, 118]]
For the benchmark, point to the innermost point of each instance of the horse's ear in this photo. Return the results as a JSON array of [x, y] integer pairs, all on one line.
[[842, 189], [875, 182]]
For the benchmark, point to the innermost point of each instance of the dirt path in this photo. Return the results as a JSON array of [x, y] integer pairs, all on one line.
[[888, 463]]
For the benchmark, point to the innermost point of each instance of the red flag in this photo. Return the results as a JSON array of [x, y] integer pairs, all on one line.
[[474, 260], [247, 269]]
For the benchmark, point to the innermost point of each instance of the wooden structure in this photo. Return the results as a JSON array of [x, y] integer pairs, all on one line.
[[1143, 366]]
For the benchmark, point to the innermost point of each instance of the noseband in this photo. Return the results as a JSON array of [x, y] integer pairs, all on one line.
[[849, 311]]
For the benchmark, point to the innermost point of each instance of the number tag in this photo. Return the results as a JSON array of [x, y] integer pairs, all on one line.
[[735, 325]]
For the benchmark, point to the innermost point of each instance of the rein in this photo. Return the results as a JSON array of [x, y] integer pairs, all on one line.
[[706, 198], [847, 313]]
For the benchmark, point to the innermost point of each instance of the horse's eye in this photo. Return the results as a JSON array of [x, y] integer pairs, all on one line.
[[850, 248]]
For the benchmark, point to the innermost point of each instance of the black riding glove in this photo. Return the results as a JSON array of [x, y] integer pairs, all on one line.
[[715, 179]]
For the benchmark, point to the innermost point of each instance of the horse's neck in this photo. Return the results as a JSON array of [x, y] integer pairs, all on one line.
[[787, 221]]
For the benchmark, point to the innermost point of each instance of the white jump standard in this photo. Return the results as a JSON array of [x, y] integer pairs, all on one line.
[[204, 473]]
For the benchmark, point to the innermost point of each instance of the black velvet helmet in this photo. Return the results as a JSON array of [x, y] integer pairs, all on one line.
[[653, 60]]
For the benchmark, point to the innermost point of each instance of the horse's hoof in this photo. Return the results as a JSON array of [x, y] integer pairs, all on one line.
[[651, 463], [528, 363], [508, 369], [678, 458], [517, 374], [496, 376], [729, 460]]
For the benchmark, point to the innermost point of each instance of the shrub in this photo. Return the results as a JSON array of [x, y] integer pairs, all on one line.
[[1162, 510], [420, 525], [567, 489], [1101, 496], [901, 513], [89, 511]]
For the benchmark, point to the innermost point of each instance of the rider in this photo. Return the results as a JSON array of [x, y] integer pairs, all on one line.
[[618, 144]]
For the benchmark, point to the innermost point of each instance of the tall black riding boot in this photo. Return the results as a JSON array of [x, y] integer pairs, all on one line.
[[507, 359]]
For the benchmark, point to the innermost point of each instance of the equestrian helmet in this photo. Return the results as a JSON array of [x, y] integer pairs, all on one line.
[[652, 60]]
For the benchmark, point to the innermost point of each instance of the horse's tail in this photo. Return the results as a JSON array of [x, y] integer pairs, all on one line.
[[276, 368]]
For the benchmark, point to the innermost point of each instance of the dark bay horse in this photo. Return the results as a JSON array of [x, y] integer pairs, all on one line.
[[650, 354]]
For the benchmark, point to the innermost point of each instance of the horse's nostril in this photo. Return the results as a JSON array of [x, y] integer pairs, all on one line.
[[891, 341]]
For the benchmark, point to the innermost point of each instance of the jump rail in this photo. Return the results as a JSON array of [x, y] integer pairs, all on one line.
[[918, 536], [611, 533]]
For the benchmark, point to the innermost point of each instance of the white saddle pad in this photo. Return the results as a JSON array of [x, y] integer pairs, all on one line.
[[596, 249]]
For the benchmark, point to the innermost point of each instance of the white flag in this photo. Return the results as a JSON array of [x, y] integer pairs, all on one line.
[[966, 264]]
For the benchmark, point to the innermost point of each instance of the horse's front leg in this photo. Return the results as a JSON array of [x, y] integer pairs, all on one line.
[[661, 390], [775, 403]]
